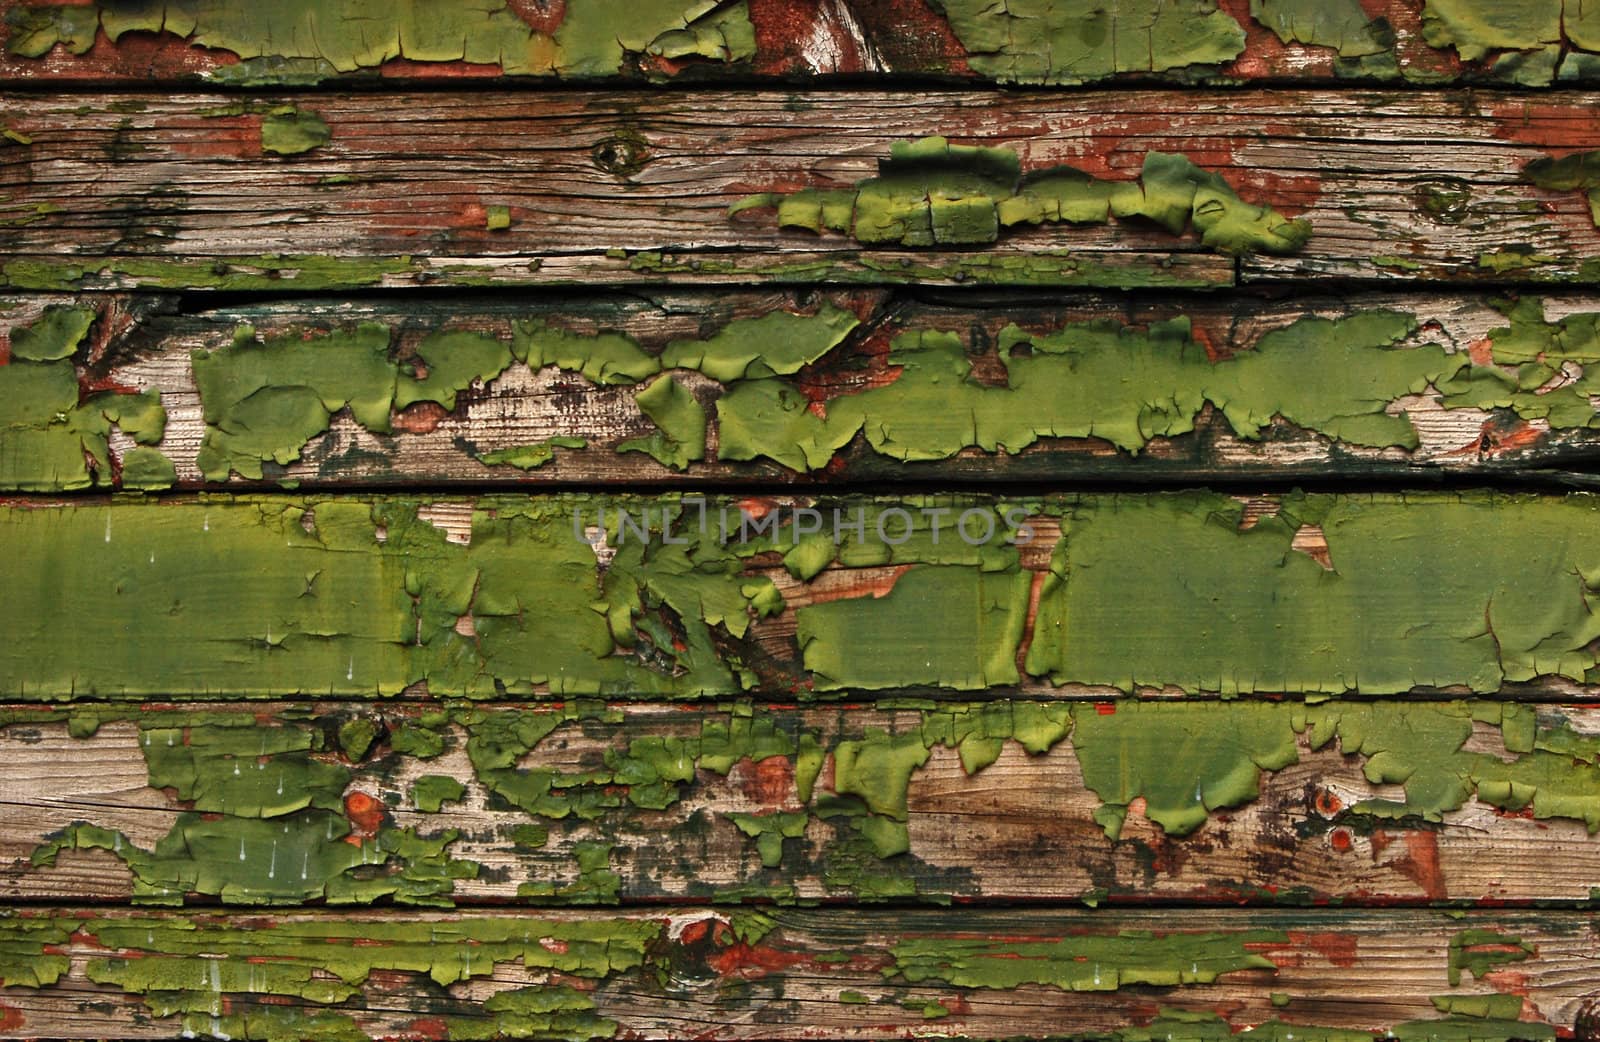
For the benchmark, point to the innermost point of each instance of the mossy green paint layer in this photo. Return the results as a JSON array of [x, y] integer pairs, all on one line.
[[297, 39], [932, 193], [1038, 41], [263, 597], [1423, 591]]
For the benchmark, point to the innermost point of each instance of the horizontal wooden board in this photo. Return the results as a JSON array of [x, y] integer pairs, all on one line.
[[574, 594], [559, 188], [1324, 366], [1120, 801], [1406, 41], [704, 973]]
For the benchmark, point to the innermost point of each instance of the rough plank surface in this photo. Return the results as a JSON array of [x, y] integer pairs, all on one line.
[[507, 189], [1079, 595], [1120, 801], [551, 390], [700, 973], [1232, 41]]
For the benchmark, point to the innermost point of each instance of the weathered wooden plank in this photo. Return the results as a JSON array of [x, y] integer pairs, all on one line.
[[507, 189], [700, 973], [555, 390], [1352, 803], [1078, 595], [1528, 43]]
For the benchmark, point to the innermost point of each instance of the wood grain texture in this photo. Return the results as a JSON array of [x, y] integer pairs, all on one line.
[[699, 973], [859, 40], [1022, 828], [152, 191], [143, 344]]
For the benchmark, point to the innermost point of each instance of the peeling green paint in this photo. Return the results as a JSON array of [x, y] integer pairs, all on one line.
[[147, 470], [1578, 172], [1085, 962], [1037, 41], [54, 335], [529, 457], [1340, 24], [892, 641], [778, 343], [681, 439], [1476, 28], [264, 400], [432, 791], [1227, 600], [1103, 380], [268, 823], [253, 596], [272, 272], [53, 437], [1021, 268], [222, 980], [1479, 951], [932, 193], [302, 35], [1187, 760], [287, 131]]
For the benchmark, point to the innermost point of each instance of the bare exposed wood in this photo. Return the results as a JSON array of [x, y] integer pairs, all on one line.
[[1021, 828], [841, 974], [138, 345], [156, 192]]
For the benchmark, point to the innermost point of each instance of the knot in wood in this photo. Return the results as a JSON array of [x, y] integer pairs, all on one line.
[[623, 154]]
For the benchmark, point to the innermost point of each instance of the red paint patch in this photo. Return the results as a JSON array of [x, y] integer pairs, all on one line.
[[1509, 982], [1328, 804], [1420, 864], [1106, 708], [1265, 55], [769, 782], [420, 418], [365, 812], [1337, 948], [749, 962], [755, 508], [1496, 438], [434, 1028], [1556, 128], [11, 1018], [1340, 840]]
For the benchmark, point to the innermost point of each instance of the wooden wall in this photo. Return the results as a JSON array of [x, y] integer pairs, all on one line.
[[780, 519]]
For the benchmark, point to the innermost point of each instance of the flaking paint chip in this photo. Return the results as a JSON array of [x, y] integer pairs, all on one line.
[[498, 218]]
